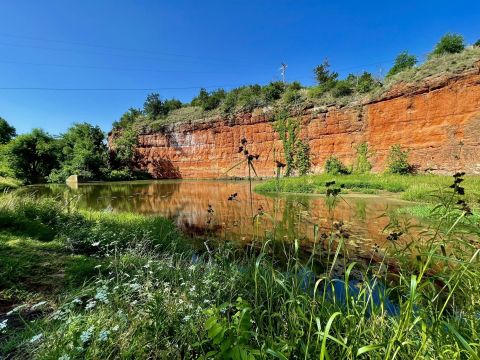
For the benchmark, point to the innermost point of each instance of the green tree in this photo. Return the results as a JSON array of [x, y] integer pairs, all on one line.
[[124, 148], [153, 106], [449, 44], [127, 119], [83, 152], [323, 75], [32, 156], [273, 91], [209, 101], [366, 83], [403, 62], [172, 104], [397, 161], [7, 132], [477, 44]]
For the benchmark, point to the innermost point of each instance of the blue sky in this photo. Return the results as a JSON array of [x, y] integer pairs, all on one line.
[[178, 46]]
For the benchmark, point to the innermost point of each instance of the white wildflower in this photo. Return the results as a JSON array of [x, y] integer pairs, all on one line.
[[187, 318], [101, 295], [86, 335], [192, 289], [3, 325], [64, 357], [90, 305], [76, 301], [36, 338], [103, 336], [115, 328]]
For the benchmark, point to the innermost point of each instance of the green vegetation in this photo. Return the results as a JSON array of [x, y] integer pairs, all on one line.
[[363, 165], [423, 188], [82, 151], [477, 43], [404, 61], [33, 156], [100, 285], [7, 132], [334, 166], [397, 161], [449, 44]]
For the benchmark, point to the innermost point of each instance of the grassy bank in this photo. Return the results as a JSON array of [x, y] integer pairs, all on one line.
[[86, 285], [424, 188], [7, 183]]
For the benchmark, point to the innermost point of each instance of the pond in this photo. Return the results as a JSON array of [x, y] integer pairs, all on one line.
[[225, 209]]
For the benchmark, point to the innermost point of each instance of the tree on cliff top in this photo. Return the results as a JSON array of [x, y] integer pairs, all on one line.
[[7, 132], [403, 62], [477, 44], [153, 106], [324, 76], [449, 44]]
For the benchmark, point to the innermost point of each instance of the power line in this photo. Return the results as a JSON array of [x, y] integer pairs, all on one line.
[[110, 68]]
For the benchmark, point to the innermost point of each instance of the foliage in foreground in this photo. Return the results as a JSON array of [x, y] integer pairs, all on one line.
[[165, 302]]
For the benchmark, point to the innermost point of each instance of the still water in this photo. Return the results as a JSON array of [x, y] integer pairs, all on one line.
[[225, 209]]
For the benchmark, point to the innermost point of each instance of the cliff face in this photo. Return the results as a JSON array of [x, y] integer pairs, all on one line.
[[438, 120]]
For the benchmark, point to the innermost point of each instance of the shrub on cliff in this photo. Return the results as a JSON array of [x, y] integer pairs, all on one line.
[[273, 91], [342, 88], [334, 166], [208, 100], [249, 97], [403, 62], [477, 44], [449, 44], [397, 161]]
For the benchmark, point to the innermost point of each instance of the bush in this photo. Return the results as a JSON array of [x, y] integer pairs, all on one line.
[[291, 96], [209, 101], [366, 83], [397, 161], [363, 164], [273, 91], [250, 97], [403, 62], [449, 44], [342, 88], [334, 166], [477, 44]]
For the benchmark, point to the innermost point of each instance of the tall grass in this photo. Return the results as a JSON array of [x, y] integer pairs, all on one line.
[[424, 188], [412, 300]]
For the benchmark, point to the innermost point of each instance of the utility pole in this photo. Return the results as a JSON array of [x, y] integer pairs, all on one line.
[[283, 69]]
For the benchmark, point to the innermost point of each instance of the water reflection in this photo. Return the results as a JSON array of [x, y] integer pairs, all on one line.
[[360, 219]]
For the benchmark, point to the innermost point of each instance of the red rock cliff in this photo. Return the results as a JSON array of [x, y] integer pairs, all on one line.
[[439, 121]]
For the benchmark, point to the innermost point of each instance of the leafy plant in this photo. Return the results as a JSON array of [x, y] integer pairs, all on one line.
[[287, 128], [397, 161], [403, 62], [477, 43], [334, 166], [449, 44], [209, 101], [324, 76], [230, 337], [302, 158], [7, 132], [342, 88], [363, 164]]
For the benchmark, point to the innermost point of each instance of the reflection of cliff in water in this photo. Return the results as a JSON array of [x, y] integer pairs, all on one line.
[[285, 218]]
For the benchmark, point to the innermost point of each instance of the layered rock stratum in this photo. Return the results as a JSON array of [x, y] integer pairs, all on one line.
[[438, 120]]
